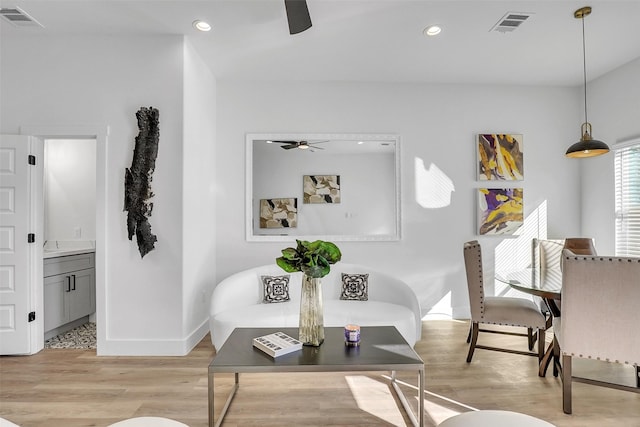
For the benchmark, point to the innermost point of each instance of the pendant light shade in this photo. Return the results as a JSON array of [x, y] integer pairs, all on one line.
[[587, 146]]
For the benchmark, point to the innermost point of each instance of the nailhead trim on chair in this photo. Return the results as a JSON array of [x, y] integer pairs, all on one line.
[[626, 362], [481, 281], [480, 276], [597, 258]]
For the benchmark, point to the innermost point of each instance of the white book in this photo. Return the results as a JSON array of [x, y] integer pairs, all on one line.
[[277, 344]]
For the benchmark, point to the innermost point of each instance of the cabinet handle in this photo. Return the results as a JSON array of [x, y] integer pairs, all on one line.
[[74, 282], [68, 280]]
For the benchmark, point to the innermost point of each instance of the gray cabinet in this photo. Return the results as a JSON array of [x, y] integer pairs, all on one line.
[[69, 289]]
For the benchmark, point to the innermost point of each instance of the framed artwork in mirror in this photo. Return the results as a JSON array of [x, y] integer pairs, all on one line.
[[321, 189], [279, 213]]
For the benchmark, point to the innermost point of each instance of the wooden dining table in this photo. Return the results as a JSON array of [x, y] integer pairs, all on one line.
[[546, 284]]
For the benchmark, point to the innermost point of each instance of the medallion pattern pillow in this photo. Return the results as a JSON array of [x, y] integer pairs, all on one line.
[[355, 287], [276, 288]]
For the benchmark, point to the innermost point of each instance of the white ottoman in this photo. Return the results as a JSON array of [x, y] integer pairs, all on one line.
[[7, 423], [493, 419], [148, 422]]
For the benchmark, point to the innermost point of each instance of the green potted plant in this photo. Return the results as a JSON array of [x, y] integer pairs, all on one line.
[[313, 259]]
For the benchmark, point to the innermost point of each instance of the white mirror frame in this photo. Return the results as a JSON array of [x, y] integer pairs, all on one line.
[[249, 199]]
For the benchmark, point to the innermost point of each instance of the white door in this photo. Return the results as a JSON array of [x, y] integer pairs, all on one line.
[[20, 244]]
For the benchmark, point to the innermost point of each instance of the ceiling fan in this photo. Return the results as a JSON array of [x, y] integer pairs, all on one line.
[[300, 145], [297, 15]]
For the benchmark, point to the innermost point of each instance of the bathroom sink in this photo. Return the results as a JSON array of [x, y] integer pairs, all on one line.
[[55, 248]]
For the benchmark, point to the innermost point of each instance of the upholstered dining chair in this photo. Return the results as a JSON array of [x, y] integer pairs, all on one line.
[[507, 311], [546, 253], [610, 287], [579, 246]]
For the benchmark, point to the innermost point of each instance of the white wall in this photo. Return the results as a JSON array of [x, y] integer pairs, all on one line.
[[198, 204], [70, 189], [438, 124], [614, 113], [102, 82]]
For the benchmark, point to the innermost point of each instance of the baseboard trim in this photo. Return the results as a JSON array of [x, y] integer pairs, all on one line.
[[196, 336], [166, 347]]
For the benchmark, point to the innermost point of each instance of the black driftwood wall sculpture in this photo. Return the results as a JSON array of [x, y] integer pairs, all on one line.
[[137, 180]]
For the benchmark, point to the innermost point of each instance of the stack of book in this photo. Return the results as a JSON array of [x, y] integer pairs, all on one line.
[[277, 344]]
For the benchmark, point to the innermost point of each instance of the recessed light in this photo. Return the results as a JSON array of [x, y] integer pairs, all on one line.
[[432, 30], [201, 25]]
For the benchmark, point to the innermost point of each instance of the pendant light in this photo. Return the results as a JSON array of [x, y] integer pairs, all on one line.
[[587, 146]]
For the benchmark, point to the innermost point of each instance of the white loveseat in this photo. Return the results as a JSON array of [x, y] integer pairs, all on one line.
[[237, 301]]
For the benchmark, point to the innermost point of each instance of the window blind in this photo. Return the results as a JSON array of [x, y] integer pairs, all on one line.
[[627, 170]]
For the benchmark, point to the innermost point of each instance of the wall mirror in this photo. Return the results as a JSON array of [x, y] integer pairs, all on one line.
[[340, 187]]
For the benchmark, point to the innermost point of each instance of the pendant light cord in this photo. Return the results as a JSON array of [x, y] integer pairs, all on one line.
[[584, 71]]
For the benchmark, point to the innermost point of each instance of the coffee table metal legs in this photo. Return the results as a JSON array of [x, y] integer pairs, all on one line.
[[417, 422], [403, 400], [225, 408]]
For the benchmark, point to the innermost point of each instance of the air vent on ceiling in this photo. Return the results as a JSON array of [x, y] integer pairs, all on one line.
[[19, 17], [511, 21]]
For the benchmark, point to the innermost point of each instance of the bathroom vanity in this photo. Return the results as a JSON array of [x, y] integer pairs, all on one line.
[[69, 287]]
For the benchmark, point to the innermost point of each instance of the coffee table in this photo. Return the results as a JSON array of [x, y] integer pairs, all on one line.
[[382, 348]]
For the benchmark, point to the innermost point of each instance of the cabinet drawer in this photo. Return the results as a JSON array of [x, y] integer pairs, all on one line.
[[66, 264]]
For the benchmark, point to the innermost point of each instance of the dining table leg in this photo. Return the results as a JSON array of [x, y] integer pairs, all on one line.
[[546, 359], [553, 350], [557, 367]]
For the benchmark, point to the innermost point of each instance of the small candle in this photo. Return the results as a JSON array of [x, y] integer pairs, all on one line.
[[352, 335]]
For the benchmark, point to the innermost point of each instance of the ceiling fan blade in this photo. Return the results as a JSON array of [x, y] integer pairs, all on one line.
[[290, 144], [297, 15]]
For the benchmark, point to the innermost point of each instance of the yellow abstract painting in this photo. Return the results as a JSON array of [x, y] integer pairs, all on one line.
[[500, 210], [500, 157]]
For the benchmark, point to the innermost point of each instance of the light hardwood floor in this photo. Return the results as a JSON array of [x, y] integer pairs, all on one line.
[[76, 388]]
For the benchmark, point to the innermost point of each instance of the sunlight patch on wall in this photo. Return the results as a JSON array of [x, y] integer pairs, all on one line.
[[442, 309], [433, 187]]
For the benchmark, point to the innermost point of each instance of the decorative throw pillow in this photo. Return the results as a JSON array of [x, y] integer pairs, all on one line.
[[355, 287], [276, 288]]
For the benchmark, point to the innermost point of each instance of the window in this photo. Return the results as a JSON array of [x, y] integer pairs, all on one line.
[[627, 170]]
